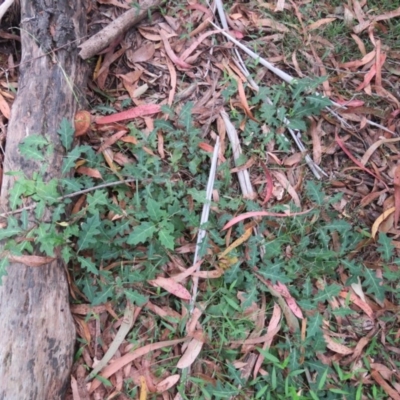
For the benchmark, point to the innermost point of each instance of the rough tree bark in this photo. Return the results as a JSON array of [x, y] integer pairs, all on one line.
[[37, 333]]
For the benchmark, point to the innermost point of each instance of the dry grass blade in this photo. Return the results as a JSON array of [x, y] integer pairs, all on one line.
[[124, 329], [204, 219]]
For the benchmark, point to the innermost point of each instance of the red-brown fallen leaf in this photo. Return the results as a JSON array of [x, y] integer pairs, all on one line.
[[272, 23], [385, 386], [370, 74], [291, 319], [249, 163], [380, 219], [360, 44], [190, 354], [152, 34], [187, 272], [139, 111], [352, 158], [261, 339], [358, 350], [291, 302], [173, 57], [160, 144], [273, 326], [213, 274], [253, 214], [270, 184], [133, 140], [167, 383], [358, 63], [316, 132], [210, 149], [201, 8], [378, 66], [374, 146], [195, 44], [31, 261], [129, 357], [93, 173], [129, 139], [238, 35], [112, 139], [206, 147], [319, 23], [243, 100], [78, 205], [337, 347], [104, 70], [386, 372], [172, 287], [358, 302], [83, 330], [122, 159], [388, 15], [142, 54], [84, 309], [369, 198], [173, 81], [115, 3], [4, 107], [350, 103], [358, 11], [75, 389], [281, 178], [396, 182], [165, 312]]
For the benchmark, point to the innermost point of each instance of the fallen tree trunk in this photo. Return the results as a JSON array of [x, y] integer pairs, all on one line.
[[36, 330]]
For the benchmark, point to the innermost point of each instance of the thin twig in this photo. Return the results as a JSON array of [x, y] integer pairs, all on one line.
[[67, 196]]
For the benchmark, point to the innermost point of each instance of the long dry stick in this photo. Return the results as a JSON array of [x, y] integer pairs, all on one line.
[[204, 219], [68, 196], [106, 36]]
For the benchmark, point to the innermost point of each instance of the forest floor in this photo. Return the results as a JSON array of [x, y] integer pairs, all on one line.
[[251, 249]]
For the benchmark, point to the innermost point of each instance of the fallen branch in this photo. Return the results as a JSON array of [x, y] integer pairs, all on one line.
[[106, 36]]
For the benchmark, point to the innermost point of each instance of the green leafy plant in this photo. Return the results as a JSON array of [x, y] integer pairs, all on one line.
[[122, 235]]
